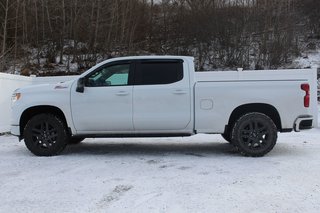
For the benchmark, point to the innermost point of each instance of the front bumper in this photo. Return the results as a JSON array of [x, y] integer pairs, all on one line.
[[303, 122]]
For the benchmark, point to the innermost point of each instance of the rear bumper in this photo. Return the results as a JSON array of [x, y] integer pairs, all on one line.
[[303, 122]]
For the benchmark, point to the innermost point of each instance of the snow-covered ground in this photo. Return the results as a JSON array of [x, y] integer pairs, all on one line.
[[197, 174]]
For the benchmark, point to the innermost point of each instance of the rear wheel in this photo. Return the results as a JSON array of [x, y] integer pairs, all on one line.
[[254, 134], [45, 135]]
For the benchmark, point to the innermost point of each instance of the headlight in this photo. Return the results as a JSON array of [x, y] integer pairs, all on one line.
[[15, 96]]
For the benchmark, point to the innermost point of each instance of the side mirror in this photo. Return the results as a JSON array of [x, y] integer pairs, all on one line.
[[108, 83], [80, 85]]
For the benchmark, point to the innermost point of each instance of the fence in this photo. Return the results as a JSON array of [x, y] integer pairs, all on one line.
[[9, 83]]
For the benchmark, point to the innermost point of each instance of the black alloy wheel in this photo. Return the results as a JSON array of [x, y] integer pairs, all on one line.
[[45, 135], [254, 134]]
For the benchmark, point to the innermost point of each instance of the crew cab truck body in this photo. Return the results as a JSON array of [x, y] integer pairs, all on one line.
[[164, 96]]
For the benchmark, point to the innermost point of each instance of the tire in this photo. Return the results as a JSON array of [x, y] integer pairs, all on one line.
[[254, 134], [45, 135], [75, 140]]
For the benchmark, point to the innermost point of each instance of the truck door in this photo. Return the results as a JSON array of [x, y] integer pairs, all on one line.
[[161, 96], [106, 103]]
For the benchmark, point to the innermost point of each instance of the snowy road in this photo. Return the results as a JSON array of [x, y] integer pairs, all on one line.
[[197, 174]]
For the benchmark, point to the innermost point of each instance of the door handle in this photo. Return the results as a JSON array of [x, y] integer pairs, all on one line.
[[122, 93], [179, 92]]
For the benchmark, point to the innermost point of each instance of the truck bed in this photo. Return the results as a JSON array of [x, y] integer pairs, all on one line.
[[216, 90]]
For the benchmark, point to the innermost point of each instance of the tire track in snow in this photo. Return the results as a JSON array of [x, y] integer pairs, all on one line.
[[113, 196]]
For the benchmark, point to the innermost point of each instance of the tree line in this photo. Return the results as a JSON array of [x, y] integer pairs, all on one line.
[[253, 34]]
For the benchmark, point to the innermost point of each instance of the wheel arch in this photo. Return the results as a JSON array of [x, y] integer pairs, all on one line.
[[32, 111], [266, 109]]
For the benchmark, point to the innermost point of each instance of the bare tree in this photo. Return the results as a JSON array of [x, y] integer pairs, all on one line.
[[16, 35], [5, 8], [219, 33]]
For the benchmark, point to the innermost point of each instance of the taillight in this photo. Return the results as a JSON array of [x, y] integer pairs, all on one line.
[[306, 88]]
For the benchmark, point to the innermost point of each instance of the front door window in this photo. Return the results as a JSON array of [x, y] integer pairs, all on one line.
[[116, 75]]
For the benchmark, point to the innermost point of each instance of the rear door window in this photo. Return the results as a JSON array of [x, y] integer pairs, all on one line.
[[154, 72]]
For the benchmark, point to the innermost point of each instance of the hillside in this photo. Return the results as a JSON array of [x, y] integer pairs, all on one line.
[[50, 37]]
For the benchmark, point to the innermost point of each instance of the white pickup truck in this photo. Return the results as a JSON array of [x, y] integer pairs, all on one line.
[[164, 96]]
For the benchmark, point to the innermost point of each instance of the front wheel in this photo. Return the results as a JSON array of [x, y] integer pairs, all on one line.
[[45, 135], [254, 134]]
